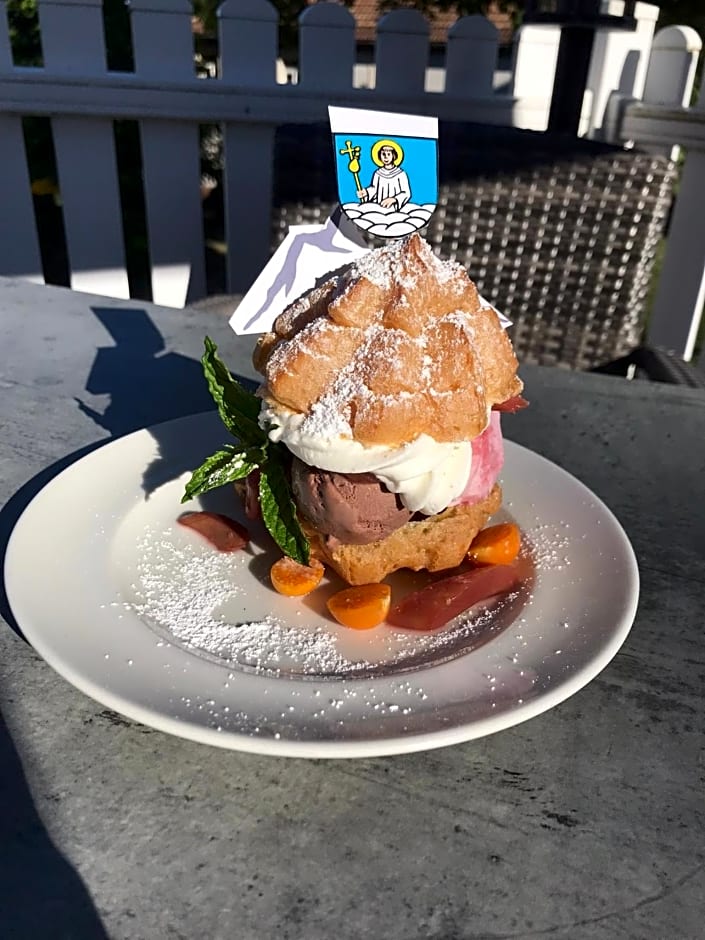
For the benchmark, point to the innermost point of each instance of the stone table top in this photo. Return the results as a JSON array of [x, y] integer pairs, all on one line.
[[585, 823]]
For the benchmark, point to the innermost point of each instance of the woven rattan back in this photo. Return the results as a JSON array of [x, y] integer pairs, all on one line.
[[560, 233]]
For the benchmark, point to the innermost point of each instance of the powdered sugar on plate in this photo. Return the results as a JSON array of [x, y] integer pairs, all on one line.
[[185, 592], [203, 601]]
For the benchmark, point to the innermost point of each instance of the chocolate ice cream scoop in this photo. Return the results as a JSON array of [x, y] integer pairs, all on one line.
[[354, 508]]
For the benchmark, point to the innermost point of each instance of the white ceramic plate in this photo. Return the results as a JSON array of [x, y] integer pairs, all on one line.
[[143, 616]]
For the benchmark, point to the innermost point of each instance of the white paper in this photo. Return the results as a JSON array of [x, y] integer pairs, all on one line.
[[385, 123], [504, 322], [307, 254]]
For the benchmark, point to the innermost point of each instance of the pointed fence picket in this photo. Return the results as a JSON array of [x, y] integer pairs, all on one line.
[[326, 48], [247, 59], [247, 30], [72, 36], [402, 53]]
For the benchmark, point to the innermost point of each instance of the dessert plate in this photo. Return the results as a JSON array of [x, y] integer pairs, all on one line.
[[139, 613]]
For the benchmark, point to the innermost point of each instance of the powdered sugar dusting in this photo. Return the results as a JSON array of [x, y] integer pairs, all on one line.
[[549, 546], [184, 591], [377, 364], [195, 597], [379, 266], [329, 417], [460, 318], [388, 265]]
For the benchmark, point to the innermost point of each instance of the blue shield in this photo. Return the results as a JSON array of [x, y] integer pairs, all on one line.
[[387, 183]]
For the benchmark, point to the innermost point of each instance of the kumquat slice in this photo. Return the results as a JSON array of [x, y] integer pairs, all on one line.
[[293, 579], [496, 545], [362, 607]]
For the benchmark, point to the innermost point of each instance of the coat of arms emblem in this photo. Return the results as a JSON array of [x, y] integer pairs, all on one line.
[[386, 168]]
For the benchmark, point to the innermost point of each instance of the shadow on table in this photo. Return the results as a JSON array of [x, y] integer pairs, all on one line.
[[41, 894], [147, 386]]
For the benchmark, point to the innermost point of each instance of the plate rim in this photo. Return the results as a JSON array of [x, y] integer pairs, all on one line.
[[267, 745]]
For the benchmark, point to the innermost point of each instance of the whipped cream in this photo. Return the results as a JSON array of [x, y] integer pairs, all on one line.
[[428, 475]]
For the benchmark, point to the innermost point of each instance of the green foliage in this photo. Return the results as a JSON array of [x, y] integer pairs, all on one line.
[[239, 411], [682, 13], [23, 24], [279, 511], [238, 408], [225, 466], [205, 10]]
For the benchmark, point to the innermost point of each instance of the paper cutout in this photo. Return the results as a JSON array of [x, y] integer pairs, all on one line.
[[386, 168], [504, 322], [307, 256], [373, 147]]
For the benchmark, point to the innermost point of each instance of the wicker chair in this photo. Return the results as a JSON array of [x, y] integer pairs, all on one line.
[[561, 233]]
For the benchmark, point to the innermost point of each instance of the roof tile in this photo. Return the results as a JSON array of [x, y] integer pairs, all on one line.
[[367, 13]]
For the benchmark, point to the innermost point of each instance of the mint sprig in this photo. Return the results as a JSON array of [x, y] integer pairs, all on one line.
[[237, 407], [223, 467], [279, 511], [239, 410]]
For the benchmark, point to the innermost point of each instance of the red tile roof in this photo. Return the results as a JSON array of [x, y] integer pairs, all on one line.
[[366, 13]]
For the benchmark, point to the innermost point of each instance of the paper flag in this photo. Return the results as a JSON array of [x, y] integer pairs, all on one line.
[[387, 169]]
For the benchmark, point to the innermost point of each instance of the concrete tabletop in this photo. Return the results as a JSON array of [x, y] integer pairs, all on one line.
[[585, 823]]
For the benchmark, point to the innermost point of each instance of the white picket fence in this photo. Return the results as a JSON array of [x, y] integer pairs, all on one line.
[[659, 123], [83, 99]]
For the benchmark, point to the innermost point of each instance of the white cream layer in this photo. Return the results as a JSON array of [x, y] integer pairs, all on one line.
[[427, 474]]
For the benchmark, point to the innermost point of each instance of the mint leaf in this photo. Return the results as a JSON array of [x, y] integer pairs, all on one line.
[[279, 512], [239, 411], [237, 407], [223, 467]]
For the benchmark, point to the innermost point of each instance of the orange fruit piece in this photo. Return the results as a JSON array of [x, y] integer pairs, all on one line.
[[293, 579], [361, 607], [496, 545]]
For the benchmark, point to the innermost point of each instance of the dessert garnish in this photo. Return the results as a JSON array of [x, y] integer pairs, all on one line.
[[439, 602], [222, 532], [254, 451], [361, 607], [293, 579], [374, 442]]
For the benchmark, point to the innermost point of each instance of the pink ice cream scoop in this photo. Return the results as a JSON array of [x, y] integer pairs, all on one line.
[[357, 509], [487, 461]]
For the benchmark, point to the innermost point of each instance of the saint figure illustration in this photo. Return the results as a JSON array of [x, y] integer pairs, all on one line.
[[389, 187]]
